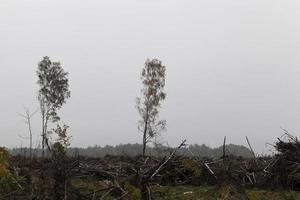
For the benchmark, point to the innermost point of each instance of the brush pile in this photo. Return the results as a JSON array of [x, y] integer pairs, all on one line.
[[285, 166], [123, 177]]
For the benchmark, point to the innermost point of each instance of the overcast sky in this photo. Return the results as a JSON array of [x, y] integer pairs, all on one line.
[[233, 67]]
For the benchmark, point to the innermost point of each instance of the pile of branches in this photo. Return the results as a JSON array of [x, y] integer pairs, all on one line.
[[122, 177], [125, 177], [281, 171], [285, 167]]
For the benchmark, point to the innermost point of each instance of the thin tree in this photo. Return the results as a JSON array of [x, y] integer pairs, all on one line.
[[27, 119], [53, 92], [59, 159], [152, 94]]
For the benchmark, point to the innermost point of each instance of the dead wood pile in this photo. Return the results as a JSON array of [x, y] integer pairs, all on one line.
[[121, 176]]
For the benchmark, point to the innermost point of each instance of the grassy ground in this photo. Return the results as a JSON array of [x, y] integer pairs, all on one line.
[[226, 192]]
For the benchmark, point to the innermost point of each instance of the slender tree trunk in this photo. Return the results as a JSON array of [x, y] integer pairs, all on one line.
[[43, 130], [45, 120], [66, 189], [27, 117], [30, 134], [42, 175], [30, 153], [45, 134], [146, 127], [144, 141], [145, 135]]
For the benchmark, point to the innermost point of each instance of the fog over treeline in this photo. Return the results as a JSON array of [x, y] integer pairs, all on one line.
[[156, 151]]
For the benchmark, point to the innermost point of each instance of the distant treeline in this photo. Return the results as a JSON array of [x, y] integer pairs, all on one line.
[[136, 149]]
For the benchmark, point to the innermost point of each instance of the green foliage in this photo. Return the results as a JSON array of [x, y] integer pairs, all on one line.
[[63, 137], [59, 157], [109, 198], [253, 195], [58, 150], [274, 195], [226, 192], [153, 79], [9, 182], [53, 91], [54, 87], [230, 192], [3, 155], [133, 192], [188, 192], [191, 165], [3, 162], [183, 193]]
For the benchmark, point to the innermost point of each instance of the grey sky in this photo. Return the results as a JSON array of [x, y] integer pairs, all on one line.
[[232, 66]]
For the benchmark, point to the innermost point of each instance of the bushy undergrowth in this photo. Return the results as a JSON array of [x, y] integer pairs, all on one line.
[[9, 181]]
